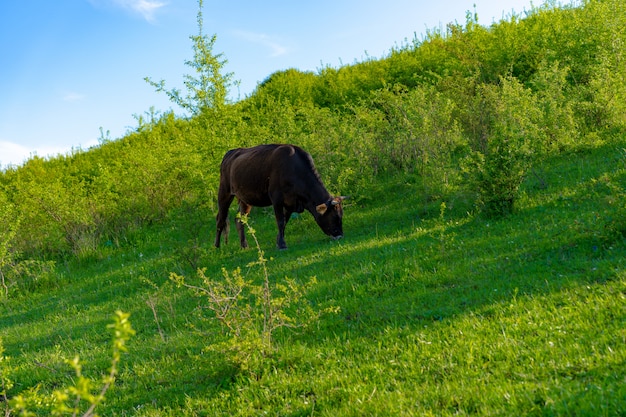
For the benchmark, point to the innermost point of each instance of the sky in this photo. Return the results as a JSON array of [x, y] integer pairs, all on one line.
[[72, 71]]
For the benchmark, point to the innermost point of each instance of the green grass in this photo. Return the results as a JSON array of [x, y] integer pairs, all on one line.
[[442, 312]]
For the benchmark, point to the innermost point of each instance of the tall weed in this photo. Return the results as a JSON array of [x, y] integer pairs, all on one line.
[[82, 398], [251, 312]]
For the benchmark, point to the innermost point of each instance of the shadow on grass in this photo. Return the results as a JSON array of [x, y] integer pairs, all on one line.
[[396, 268], [399, 266]]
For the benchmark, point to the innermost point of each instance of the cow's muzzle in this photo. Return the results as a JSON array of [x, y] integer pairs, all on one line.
[[337, 237]]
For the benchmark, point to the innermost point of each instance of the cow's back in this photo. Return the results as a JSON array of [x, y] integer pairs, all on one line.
[[249, 173]]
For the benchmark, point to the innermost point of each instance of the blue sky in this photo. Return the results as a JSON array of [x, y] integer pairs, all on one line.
[[71, 67]]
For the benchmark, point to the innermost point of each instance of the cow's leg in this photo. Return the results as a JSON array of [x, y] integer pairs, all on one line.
[[224, 198], [244, 210], [281, 222], [288, 214]]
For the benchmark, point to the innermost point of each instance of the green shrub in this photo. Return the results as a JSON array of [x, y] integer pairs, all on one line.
[[418, 133], [558, 120], [9, 223], [498, 164], [5, 382]]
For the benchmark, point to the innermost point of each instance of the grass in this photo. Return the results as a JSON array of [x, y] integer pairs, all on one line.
[[443, 312]]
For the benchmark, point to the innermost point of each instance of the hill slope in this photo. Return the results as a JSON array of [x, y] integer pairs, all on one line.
[[440, 313], [433, 304]]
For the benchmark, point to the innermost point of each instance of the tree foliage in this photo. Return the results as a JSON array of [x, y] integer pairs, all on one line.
[[500, 98]]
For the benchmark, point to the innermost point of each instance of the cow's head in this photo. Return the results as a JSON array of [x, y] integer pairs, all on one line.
[[329, 217]]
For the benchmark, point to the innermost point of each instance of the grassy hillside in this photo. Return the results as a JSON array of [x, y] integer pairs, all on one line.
[[482, 269], [441, 312]]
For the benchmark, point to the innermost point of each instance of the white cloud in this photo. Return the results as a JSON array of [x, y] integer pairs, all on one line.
[[276, 48], [12, 154], [73, 97], [147, 9]]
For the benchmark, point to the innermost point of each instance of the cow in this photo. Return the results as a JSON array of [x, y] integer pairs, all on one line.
[[281, 176]]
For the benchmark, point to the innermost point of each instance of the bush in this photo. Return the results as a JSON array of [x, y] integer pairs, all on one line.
[[558, 120], [418, 133], [498, 164]]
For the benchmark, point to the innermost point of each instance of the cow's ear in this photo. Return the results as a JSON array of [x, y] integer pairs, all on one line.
[[321, 209]]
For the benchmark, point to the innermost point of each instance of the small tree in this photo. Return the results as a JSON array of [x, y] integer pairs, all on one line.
[[209, 88]]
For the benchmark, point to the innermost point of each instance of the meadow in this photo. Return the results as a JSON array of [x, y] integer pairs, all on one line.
[[482, 270], [441, 312]]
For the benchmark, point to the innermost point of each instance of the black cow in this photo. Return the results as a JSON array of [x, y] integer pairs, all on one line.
[[282, 176]]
